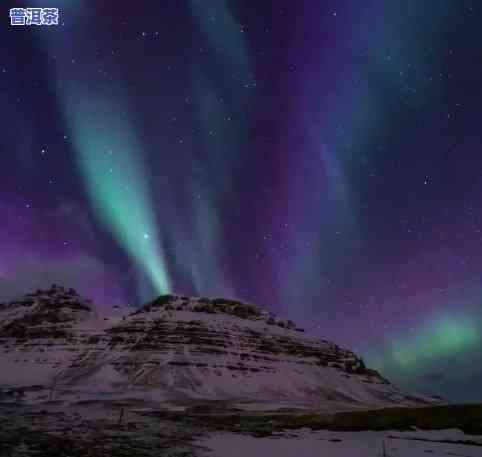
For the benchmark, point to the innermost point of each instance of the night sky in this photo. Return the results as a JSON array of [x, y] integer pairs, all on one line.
[[320, 158]]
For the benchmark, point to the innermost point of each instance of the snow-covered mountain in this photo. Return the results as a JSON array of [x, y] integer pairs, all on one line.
[[53, 345]]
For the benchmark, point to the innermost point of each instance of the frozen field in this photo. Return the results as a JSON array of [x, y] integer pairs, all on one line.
[[59, 430], [305, 443]]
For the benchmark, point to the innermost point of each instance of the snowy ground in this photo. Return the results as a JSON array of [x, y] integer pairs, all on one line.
[[60, 430], [305, 443]]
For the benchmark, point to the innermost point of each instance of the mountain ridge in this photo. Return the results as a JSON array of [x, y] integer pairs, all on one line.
[[179, 349]]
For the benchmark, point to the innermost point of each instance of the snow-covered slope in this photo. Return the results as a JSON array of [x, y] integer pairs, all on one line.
[[178, 349]]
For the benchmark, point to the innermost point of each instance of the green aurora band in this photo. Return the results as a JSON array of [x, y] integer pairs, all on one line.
[[445, 336], [120, 196], [96, 113]]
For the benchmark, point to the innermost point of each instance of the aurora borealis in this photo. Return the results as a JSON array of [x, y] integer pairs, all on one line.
[[320, 158]]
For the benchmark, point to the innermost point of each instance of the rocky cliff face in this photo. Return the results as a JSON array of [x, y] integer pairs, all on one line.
[[177, 349], [43, 313]]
